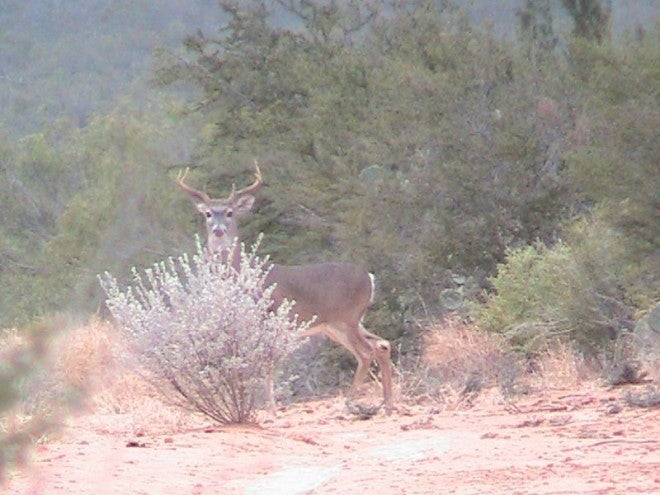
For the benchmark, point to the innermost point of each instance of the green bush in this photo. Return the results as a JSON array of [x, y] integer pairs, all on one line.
[[75, 202], [572, 290]]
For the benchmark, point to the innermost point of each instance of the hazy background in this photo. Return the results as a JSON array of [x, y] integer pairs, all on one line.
[[76, 58]]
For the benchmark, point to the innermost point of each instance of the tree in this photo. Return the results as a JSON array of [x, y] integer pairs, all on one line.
[[612, 164], [537, 28], [442, 112], [591, 18], [75, 202]]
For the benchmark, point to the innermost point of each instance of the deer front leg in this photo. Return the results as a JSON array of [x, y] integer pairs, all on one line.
[[269, 393]]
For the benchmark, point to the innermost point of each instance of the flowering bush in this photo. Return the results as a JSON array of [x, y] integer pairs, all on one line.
[[205, 330]]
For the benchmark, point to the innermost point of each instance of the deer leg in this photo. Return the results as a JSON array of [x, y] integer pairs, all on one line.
[[381, 351], [383, 354], [351, 338], [366, 347], [269, 394], [360, 373]]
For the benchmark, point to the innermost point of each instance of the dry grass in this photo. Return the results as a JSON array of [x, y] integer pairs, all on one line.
[[132, 396], [456, 363], [463, 356], [85, 356], [560, 366], [88, 367], [115, 383], [455, 349], [460, 363]]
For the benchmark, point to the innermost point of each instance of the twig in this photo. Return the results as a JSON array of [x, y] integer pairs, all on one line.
[[613, 440]]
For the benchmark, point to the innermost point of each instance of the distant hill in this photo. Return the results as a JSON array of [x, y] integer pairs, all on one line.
[[69, 59], [72, 58]]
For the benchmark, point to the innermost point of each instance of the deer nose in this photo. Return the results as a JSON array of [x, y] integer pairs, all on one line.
[[218, 232]]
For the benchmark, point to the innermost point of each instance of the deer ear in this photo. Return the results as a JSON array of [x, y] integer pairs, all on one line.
[[244, 204]]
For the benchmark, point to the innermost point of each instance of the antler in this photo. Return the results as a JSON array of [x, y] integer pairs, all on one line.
[[194, 193], [251, 189], [203, 197]]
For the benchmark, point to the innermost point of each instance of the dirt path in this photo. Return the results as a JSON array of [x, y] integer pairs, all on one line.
[[565, 442]]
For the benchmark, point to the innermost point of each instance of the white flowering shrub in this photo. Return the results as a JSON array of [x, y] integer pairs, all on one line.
[[206, 331]]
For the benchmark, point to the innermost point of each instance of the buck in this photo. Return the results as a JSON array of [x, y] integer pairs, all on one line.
[[333, 296]]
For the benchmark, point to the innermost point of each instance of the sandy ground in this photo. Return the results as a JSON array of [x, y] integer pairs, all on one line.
[[561, 442]]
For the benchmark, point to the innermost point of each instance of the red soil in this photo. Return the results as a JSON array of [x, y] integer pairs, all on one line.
[[560, 442]]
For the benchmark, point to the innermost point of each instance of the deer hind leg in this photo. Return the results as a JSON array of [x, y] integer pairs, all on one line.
[[351, 338], [383, 353], [366, 347], [364, 363]]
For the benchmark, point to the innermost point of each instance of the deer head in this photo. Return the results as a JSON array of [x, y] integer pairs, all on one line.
[[221, 215]]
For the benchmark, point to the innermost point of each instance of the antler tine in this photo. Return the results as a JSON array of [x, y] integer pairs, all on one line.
[[251, 189], [194, 193]]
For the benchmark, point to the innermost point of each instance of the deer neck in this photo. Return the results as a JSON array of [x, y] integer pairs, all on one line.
[[229, 250]]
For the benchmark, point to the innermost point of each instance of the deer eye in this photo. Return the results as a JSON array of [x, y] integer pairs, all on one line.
[[208, 214], [229, 213]]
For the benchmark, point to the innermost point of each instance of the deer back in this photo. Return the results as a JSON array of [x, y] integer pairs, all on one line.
[[333, 292]]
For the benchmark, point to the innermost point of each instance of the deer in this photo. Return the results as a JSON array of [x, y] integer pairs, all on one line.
[[333, 296]]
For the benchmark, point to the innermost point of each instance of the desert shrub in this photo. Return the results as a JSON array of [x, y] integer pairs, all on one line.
[[18, 358], [459, 361], [568, 291], [32, 397], [529, 288], [205, 330]]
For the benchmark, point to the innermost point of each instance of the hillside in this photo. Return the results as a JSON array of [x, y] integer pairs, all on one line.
[[73, 59]]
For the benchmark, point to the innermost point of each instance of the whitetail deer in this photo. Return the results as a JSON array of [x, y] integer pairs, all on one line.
[[337, 295]]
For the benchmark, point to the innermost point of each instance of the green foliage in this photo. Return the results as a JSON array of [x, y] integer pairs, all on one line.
[[614, 160], [73, 60], [570, 290], [403, 137], [444, 111], [591, 18], [76, 202]]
